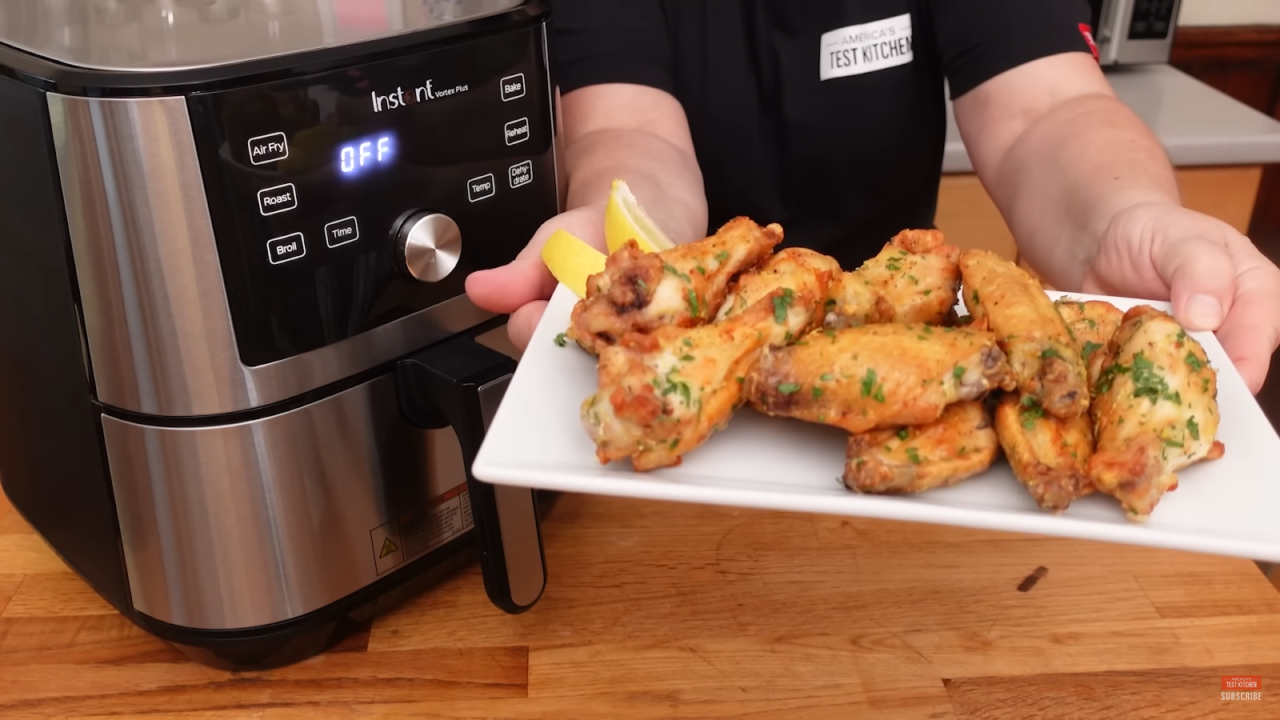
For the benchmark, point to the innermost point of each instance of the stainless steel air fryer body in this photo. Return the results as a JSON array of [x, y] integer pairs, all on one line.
[[237, 343]]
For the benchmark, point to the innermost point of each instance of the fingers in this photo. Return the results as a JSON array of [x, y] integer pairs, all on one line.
[[1251, 331], [523, 322], [525, 279], [1201, 278], [507, 288]]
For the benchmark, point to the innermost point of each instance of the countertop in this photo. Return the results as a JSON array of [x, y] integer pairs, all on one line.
[[664, 610], [1197, 124]]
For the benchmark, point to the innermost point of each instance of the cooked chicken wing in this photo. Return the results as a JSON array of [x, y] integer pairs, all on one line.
[[1092, 323], [883, 375], [679, 287], [1155, 411], [958, 445], [914, 279], [1041, 353], [663, 394], [797, 269], [1049, 456]]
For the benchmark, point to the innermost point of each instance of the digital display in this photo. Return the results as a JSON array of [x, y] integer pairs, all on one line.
[[360, 155]]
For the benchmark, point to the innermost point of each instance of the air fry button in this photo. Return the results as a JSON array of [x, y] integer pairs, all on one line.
[[268, 148], [283, 249], [516, 131], [277, 199]]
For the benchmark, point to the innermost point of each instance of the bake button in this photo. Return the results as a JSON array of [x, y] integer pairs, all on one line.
[[277, 199], [284, 249], [268, 148], [516, 131], [521, 174], [481, 187], [341, 232], [512, 87]]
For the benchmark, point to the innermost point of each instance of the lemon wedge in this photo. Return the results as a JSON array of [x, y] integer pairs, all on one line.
[[571, 260], [625, 220]]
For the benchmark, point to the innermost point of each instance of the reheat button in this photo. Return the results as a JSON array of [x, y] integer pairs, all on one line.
[[287, 248], [277, 199]]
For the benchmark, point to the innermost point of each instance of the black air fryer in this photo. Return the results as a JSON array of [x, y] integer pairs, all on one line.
[[240, 386]]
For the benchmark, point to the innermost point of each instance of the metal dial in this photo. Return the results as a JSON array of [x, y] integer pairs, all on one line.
[[429, 245]]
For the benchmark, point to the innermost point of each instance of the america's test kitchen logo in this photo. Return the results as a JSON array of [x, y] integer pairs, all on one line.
[[1241, 687]]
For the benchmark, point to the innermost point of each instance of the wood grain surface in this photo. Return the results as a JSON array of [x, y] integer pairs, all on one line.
[[666, 610]]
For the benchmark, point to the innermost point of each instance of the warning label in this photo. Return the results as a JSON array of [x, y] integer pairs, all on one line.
[[415, 534]]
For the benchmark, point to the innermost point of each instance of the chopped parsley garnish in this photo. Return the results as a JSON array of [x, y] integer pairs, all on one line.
[[722, 256], [869, 382], [913, 456], [693, 303], [827, 377], [903, 434], [560, 339], [957, 372], [671, 269], [1030, 412], [686, 357], [817, 392], [1049, 353], [1091, 347], [788, 388], [1193, 362], [781, 303], [1193, 428]]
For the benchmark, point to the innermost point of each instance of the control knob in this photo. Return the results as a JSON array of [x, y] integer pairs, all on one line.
[[428, 246]]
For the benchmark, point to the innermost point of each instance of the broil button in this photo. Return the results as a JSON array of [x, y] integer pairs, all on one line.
[[287, 248]]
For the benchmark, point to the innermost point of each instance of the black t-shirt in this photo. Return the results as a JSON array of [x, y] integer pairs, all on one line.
[[827, 116]]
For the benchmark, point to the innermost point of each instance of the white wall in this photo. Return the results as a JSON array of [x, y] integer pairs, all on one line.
[[1229, 12]]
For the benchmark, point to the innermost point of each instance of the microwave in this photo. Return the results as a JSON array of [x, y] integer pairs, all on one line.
[[1134, 32]]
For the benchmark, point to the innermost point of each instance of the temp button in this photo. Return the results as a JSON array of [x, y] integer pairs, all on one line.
[[287, 248], [341, 232], [277, 199]]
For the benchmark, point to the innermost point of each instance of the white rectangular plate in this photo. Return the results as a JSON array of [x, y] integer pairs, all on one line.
[[1229, 506]]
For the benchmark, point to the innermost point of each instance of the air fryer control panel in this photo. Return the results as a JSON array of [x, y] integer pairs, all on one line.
[[1151, 19], [314, 183]]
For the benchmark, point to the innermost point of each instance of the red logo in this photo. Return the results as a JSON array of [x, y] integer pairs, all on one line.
[[1087, 32], [1241, 682]]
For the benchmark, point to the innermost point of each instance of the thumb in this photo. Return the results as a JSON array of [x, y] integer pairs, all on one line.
[[505, 289], [1201, 279]]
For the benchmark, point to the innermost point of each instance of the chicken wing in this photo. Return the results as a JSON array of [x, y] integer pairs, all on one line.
[[876, 376], [663, 394], [679, 287], [798, 270], [1041, 353], [1092, 323], [1155, 410], [1049, 456], [958, 445], [914, 279]]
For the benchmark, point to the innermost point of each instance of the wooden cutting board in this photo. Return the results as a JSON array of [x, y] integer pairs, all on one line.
[[659, 610]]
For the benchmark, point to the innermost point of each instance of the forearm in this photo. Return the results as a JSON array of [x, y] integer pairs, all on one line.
[[1068, 173], [664, 177]]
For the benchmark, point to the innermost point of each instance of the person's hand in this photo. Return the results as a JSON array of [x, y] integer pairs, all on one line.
[[522, 287], [1214, 277]]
